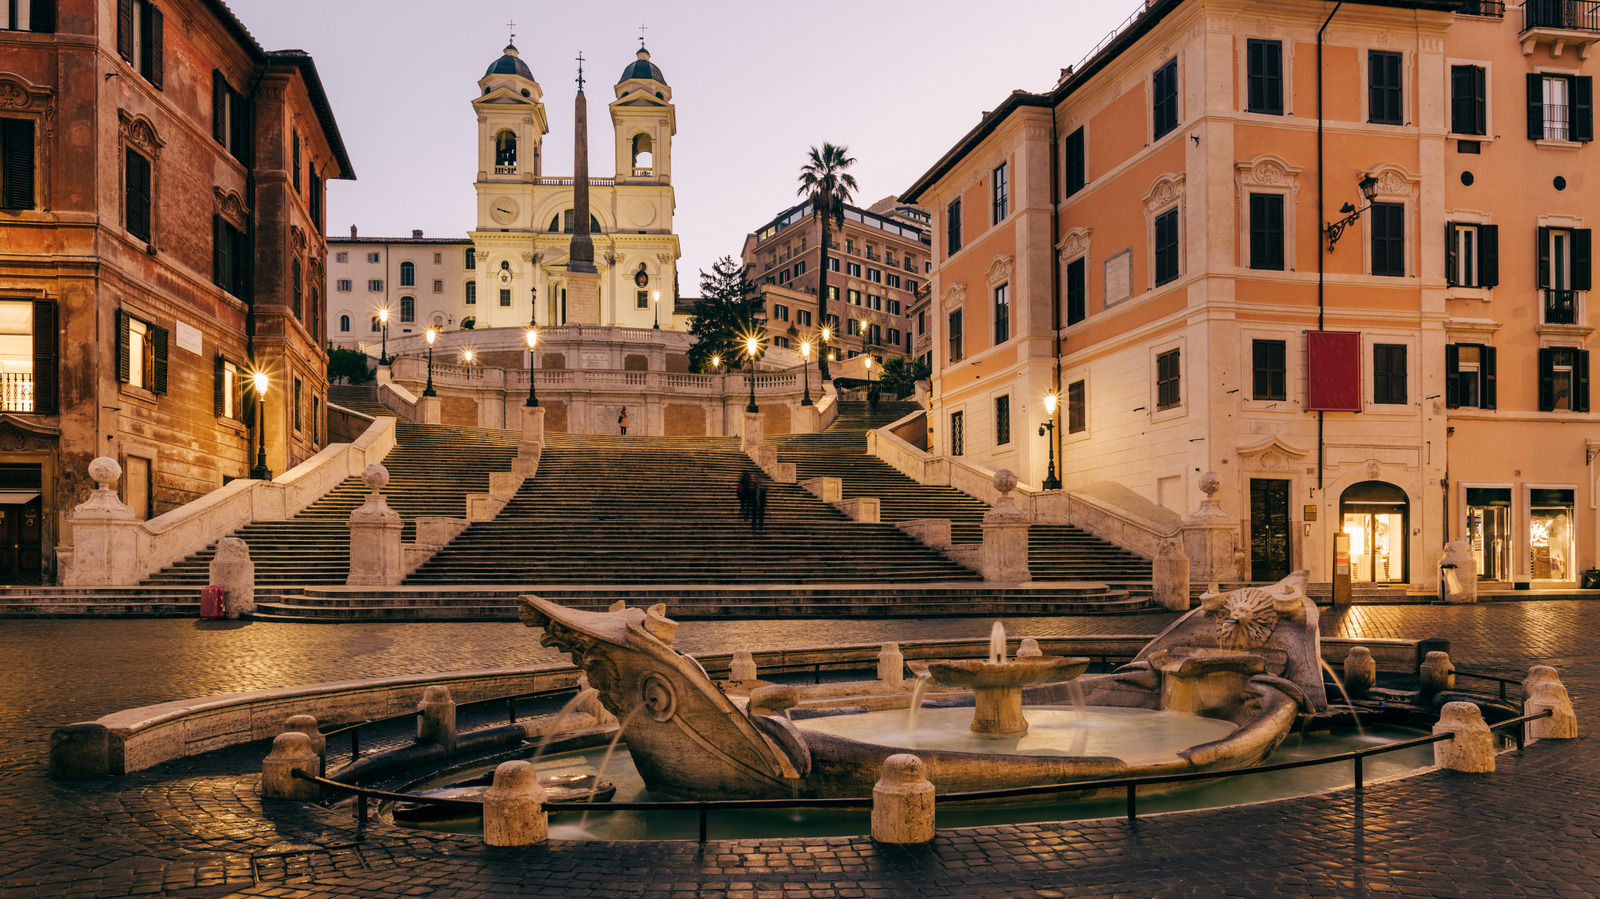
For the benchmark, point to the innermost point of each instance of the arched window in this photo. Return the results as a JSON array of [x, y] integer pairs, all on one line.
[[408, 309], [643, 154], [376, 325], [563, 224], [505, 153], [408, 275], [344, 324]]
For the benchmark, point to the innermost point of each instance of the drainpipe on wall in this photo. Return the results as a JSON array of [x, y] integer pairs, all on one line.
[[1322, 254]]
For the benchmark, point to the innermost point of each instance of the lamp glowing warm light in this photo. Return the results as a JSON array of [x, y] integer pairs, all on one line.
[[1050, 401], [466, 356], [432, 335], [261, 383], [716, 361], [869, 363], [805, 349], [826, 333], [750, 347], [383, 315], [533, 338]]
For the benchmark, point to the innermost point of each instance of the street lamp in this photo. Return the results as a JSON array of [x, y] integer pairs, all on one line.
[[433, 334], [533, 343], [383, 318], [1369, 189], [466, 356], [533, 322], [1051, 482], [750, 347], [657, 298], [805, 371], [260, 472]]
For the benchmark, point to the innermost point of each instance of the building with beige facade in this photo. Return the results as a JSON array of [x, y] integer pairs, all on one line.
[[1337, 253]]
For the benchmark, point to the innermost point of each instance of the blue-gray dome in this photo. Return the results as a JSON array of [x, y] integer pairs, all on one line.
[[643, 68], [509, 64]]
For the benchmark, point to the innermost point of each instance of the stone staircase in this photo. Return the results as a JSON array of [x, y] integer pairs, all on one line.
[[1055, 552]]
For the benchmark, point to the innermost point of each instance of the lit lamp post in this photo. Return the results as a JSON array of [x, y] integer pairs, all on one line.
[[533, 343], [260, 472], [1369, 189], [868, 357], [805, 370], [1051, 482], [383, 319], [432, 335], [750, 347], [657, 298], [466, 356]]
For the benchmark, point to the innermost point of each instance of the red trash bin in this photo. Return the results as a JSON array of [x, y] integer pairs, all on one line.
[[211, 602]]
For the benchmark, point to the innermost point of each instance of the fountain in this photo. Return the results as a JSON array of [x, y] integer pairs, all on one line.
[[1224, 685]]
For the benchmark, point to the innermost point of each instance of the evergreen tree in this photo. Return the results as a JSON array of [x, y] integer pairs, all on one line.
[[348, 366], [727, 313]]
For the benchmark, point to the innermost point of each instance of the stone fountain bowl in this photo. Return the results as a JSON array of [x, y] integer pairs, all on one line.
[[1014, 672]]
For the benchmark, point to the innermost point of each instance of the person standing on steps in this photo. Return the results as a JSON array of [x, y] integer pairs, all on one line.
[[622, 421], [758, 505], [743, 491]]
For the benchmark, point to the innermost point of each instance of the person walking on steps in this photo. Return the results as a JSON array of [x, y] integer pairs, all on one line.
[[758, 505], [743, 491], [622, 421]]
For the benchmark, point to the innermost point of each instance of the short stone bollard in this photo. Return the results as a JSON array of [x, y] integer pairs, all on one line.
[[307, 724], [1563, 721], [232, 570], [1472, 749], [742, 669], [291, 752], [1436, 674], [1539, 674], [513, 807], [1360, 672], [891, 665], [436, 718], [902, 802], [1029, 648], [1170, 576]]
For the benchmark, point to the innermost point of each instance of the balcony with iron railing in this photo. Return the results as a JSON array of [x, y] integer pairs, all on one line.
[[1494, 9], [1560, 23], [1560, 307], [16, 391]]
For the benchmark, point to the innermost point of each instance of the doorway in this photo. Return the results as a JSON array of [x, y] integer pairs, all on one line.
[[1376, 515], [21, 519], [1269, 529], [1489, 531]]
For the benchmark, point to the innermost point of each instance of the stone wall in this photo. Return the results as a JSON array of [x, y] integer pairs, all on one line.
[[459, 411], [684, 420]]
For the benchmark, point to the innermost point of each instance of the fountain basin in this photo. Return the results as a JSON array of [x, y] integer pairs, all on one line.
[[997, 686]]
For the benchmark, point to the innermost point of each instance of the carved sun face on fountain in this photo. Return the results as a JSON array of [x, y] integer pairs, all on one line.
[[1246, 618]]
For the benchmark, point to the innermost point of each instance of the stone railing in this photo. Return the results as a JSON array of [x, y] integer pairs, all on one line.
[[1131, 532], [118, 551], [414, 371], [346, 425], [398, 399]]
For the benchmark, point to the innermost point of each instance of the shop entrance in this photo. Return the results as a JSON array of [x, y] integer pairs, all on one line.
[[1269, 529], [1552, 544], [1489, 530], [1376, 515], [20, 524]]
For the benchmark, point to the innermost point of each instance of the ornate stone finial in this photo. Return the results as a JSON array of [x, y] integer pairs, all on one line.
[[1005, 506], [106, 472], [375, 477], [1005, 481], [232, 549], [1210, 482]]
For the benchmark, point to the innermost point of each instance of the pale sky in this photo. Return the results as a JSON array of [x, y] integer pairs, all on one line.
[[755, 84]]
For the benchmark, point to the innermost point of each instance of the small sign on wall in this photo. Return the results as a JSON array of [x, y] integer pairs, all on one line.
[[1309, 513], [595, 361], [188, 338]]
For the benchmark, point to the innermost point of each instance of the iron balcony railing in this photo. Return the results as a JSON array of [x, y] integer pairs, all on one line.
[[1578, 15], [1491, 8], [16, 391], [1560, 307]]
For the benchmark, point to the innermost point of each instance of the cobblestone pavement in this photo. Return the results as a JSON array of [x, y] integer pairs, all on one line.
[[196, 827]]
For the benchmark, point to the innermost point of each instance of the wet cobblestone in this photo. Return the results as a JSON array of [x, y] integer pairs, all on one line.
[[197, 827]]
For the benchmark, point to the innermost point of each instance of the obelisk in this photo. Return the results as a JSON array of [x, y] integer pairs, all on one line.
[[583, 279]]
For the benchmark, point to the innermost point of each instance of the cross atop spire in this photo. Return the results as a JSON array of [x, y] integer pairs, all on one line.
[[580, 70], [512, 27], [642, 28]]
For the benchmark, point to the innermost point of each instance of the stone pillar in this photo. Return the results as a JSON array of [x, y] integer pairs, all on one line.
[[807, 419], [1436, 674], [532, 427], [750, 433], [1563, 721], [307, 724], [513, 807], [1360, 672], [902, 802], [291, 752], [436, 718], [232, 570], [743, 667], [1208, 536], [891, 665], [105, 535], [376, 559], [428, 410], [1458, 584], [1472, 750], [1170, 574], [1005, 536]]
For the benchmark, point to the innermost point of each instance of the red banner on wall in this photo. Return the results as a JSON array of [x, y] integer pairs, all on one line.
[[1333, 371]]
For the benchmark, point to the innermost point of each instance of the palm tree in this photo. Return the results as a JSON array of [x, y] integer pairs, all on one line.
[[824, 181]]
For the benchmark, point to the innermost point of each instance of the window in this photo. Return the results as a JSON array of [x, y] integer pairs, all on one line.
[[375, 285], [1076, 418], [1002, 420], [641, 299], [1264, 67], [438, 286], [854, 297], [408, 275], [16, 164], [957, 347], [1164, 99], [894, 307], [958, 434], [297, 405], [141, 354], [1384, 100], [1268, 368], [853, 269], [1077, 163], [408, 309], [505, 299], [780, 341], [297, 286], [1002, 314], [1563, 379], [1560, 107], [894, 281], [1389, 374], [1169, 380], [1472, 255], [230, 258], [894, 336], [1564, 269], [875, 276], [136, 195], [833, 263], [38, 16], [295, 163], [1077, 290], [799, 268], [314, 206], [780, 312], [372, 257], [316, 418], [1266, 232], [833, 293], [472, 293], [952, 227], [140, 36], [1167, 247], [341, 257], [1388, 239], [875, 303], [471, 260], [1469, 380], [911, 285], [1002, 196], [376, 325], [802, 317], [225, 393], [438, 258], [28, 356], [1469, 105], [344, 324]]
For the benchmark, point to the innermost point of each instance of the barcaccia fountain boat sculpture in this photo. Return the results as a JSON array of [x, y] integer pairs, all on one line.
[[1220, 688]]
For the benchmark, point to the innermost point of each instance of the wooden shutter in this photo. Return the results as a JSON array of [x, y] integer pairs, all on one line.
[[1544, 258], [1582, 267], [1488, 255], [1580, 381], [219, 107], [1535, 106], [1452, 261], [16, 146], [219, 386], [158, 359], [156, 47], [123, 370], [1547, 379], [240, 140], [125, 29], [219, 252], [137, 199], [46, 358], [1452, 376], [1582, 107], [1486, 378], [42, 16]]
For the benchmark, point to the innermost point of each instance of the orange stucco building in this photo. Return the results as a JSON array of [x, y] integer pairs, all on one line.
[[1336, 253]]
